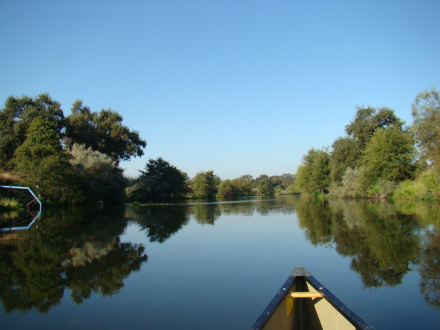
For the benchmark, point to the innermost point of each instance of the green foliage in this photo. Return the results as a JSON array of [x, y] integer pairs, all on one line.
[[314, 171], [347, 151], [7, 204], [97, 176], [369, 120], [345, 154], [390, 155], [382, 188], [246, 188], [17, 115], [245, 178], [103, 132], [42, 163], [426, 186], [287, 179], [160, 181], [431, 180], [264, 187], [350, 185], [205, 184], [234, 187], [256, 181], [225, 188], [410, 189], [426, 125], [35, 155]]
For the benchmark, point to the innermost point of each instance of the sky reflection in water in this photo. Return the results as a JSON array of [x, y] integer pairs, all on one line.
[[217, 265]]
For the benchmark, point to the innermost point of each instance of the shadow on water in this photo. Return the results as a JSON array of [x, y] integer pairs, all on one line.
[[384, 240], [78, 249]]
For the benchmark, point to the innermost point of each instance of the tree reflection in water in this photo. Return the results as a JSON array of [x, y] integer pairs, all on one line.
[[429, 269], [382, 239], [77, 249], [206, 214], [160, 222]]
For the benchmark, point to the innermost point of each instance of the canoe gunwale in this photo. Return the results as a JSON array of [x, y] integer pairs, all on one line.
[[339, 305], [357, 322], [273, 304]]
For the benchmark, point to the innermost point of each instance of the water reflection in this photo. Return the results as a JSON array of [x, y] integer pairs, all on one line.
[[384, 240], [208, 213], [80, 249], [21, 219], [77, 249], [429, 268], [160, 222]]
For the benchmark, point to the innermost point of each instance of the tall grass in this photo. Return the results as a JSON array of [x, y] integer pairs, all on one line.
[[10, 204]]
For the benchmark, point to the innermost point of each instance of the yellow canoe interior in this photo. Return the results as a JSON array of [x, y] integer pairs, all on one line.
[[305, 312]]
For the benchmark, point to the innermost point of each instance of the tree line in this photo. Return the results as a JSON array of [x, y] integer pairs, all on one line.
[[379, 155], [75, 159], [162, 181]]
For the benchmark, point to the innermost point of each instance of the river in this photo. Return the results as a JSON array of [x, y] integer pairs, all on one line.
[[217, 265]]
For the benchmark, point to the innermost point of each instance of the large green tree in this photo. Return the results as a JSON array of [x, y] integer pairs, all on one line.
[[368, 120], [17, 115], [390, 155], [314, 171], [42, 163], [205, 184], [160, 181], [347, 151], [226, 189], [287, 180], [345, 154], [426, 125], [103, 132], [264, 187]]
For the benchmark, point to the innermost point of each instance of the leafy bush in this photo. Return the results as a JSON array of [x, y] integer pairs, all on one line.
[[350, 185], [426, 186], [382, 188], [98, 177]]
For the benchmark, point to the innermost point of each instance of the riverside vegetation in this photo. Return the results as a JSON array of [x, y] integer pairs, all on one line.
[[380, 155], [75, 159]]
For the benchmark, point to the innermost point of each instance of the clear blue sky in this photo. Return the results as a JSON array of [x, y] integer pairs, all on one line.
[[238, 87]]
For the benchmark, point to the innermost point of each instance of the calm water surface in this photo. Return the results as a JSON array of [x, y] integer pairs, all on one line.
[[217, 265]]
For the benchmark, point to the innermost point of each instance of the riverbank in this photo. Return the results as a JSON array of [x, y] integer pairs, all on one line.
[[10, 204]]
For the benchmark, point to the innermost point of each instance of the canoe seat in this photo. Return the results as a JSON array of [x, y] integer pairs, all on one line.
[[306, 295]]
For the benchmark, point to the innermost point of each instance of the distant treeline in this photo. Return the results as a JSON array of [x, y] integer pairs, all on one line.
[[75, 159], [379, 155], [162, 181]]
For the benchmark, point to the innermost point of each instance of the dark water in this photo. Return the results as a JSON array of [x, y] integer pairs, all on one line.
[[217, 265]]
